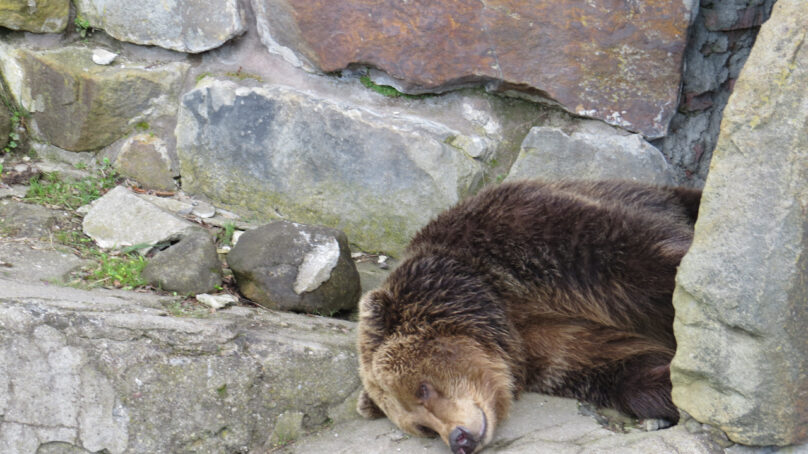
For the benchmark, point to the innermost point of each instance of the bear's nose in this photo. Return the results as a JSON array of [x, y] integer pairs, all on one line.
[[461, 441]]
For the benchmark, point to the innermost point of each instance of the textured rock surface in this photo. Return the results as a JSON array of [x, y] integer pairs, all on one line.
[[39, 16], [294, 267], [281, 152], [617, 61], [78, 105], [590, 151], [120, 219], [145, 158], [36, 261], [181, 25], [713, 59], [742, 358], [111, 371], [28, 220], [190, 266]]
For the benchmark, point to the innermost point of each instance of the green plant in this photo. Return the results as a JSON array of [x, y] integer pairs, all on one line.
[[226, 234], [51, 189], [118, 271], [82, 26], [18, 116], [387, 90], [142, 126]]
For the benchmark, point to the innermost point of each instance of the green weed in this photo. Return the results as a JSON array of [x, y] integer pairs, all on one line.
[[121, 271], [82, 26], [387, 90], [51, 189], [226, 234], [18, 116]]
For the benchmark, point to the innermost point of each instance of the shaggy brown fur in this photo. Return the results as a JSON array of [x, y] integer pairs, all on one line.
[[561, 288]]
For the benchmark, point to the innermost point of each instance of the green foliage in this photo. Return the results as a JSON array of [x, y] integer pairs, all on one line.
[[18, 116], [387, 90], [226, 234], [142, 126], [121, 271], [82, 26], [51, 189]]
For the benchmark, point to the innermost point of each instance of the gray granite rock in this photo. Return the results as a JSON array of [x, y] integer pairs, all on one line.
[[190, 266], [145, 158], [182, 25], [78, 105], [39, 16], [287, 153], [120, 219], [294, 267], [112, 372], [741, 316], [590, 150]]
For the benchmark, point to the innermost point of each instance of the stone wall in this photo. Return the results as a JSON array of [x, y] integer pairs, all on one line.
[[265, 109], [271, 107]]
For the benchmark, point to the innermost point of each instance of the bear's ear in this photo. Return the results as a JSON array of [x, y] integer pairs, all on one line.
[[367, 408], [377, 314]]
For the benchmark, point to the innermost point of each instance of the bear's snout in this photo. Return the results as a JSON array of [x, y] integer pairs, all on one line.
[[461, 441]]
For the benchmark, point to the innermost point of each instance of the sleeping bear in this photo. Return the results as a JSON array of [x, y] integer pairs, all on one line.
[[561, 288]]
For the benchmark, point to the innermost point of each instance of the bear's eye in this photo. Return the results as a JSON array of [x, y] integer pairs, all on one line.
[[423, 392], [426, 431]]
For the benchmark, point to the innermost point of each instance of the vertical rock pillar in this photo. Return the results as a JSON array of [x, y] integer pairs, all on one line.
[[742, 290]]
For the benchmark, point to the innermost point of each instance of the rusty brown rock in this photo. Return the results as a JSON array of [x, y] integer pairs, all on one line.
[[616, 60]]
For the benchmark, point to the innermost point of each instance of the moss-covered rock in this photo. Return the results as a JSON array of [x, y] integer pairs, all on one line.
[[78, 105], [39, 16]]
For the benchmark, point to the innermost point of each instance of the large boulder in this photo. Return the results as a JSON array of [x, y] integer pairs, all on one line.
[[79, 105], [620, 62], [115, 372], [181, 25], [590, 150], [295, 267], [741, 316], [282, 152], [39, 16]]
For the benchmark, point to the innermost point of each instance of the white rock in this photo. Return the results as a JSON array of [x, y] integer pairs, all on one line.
[[203, 210], [103, 57], [317, 265], [216, 301], [121, 219]]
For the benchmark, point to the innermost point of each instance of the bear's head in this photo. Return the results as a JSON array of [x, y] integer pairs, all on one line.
[[430, 383]]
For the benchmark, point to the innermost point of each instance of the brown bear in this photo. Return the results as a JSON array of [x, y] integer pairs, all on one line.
[[561, 288]]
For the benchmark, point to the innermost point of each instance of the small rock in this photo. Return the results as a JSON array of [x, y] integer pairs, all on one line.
[[146, 159], [103, 57], [203, 210], [295, 267], [190, 266], [216, 301], [120, 218]]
